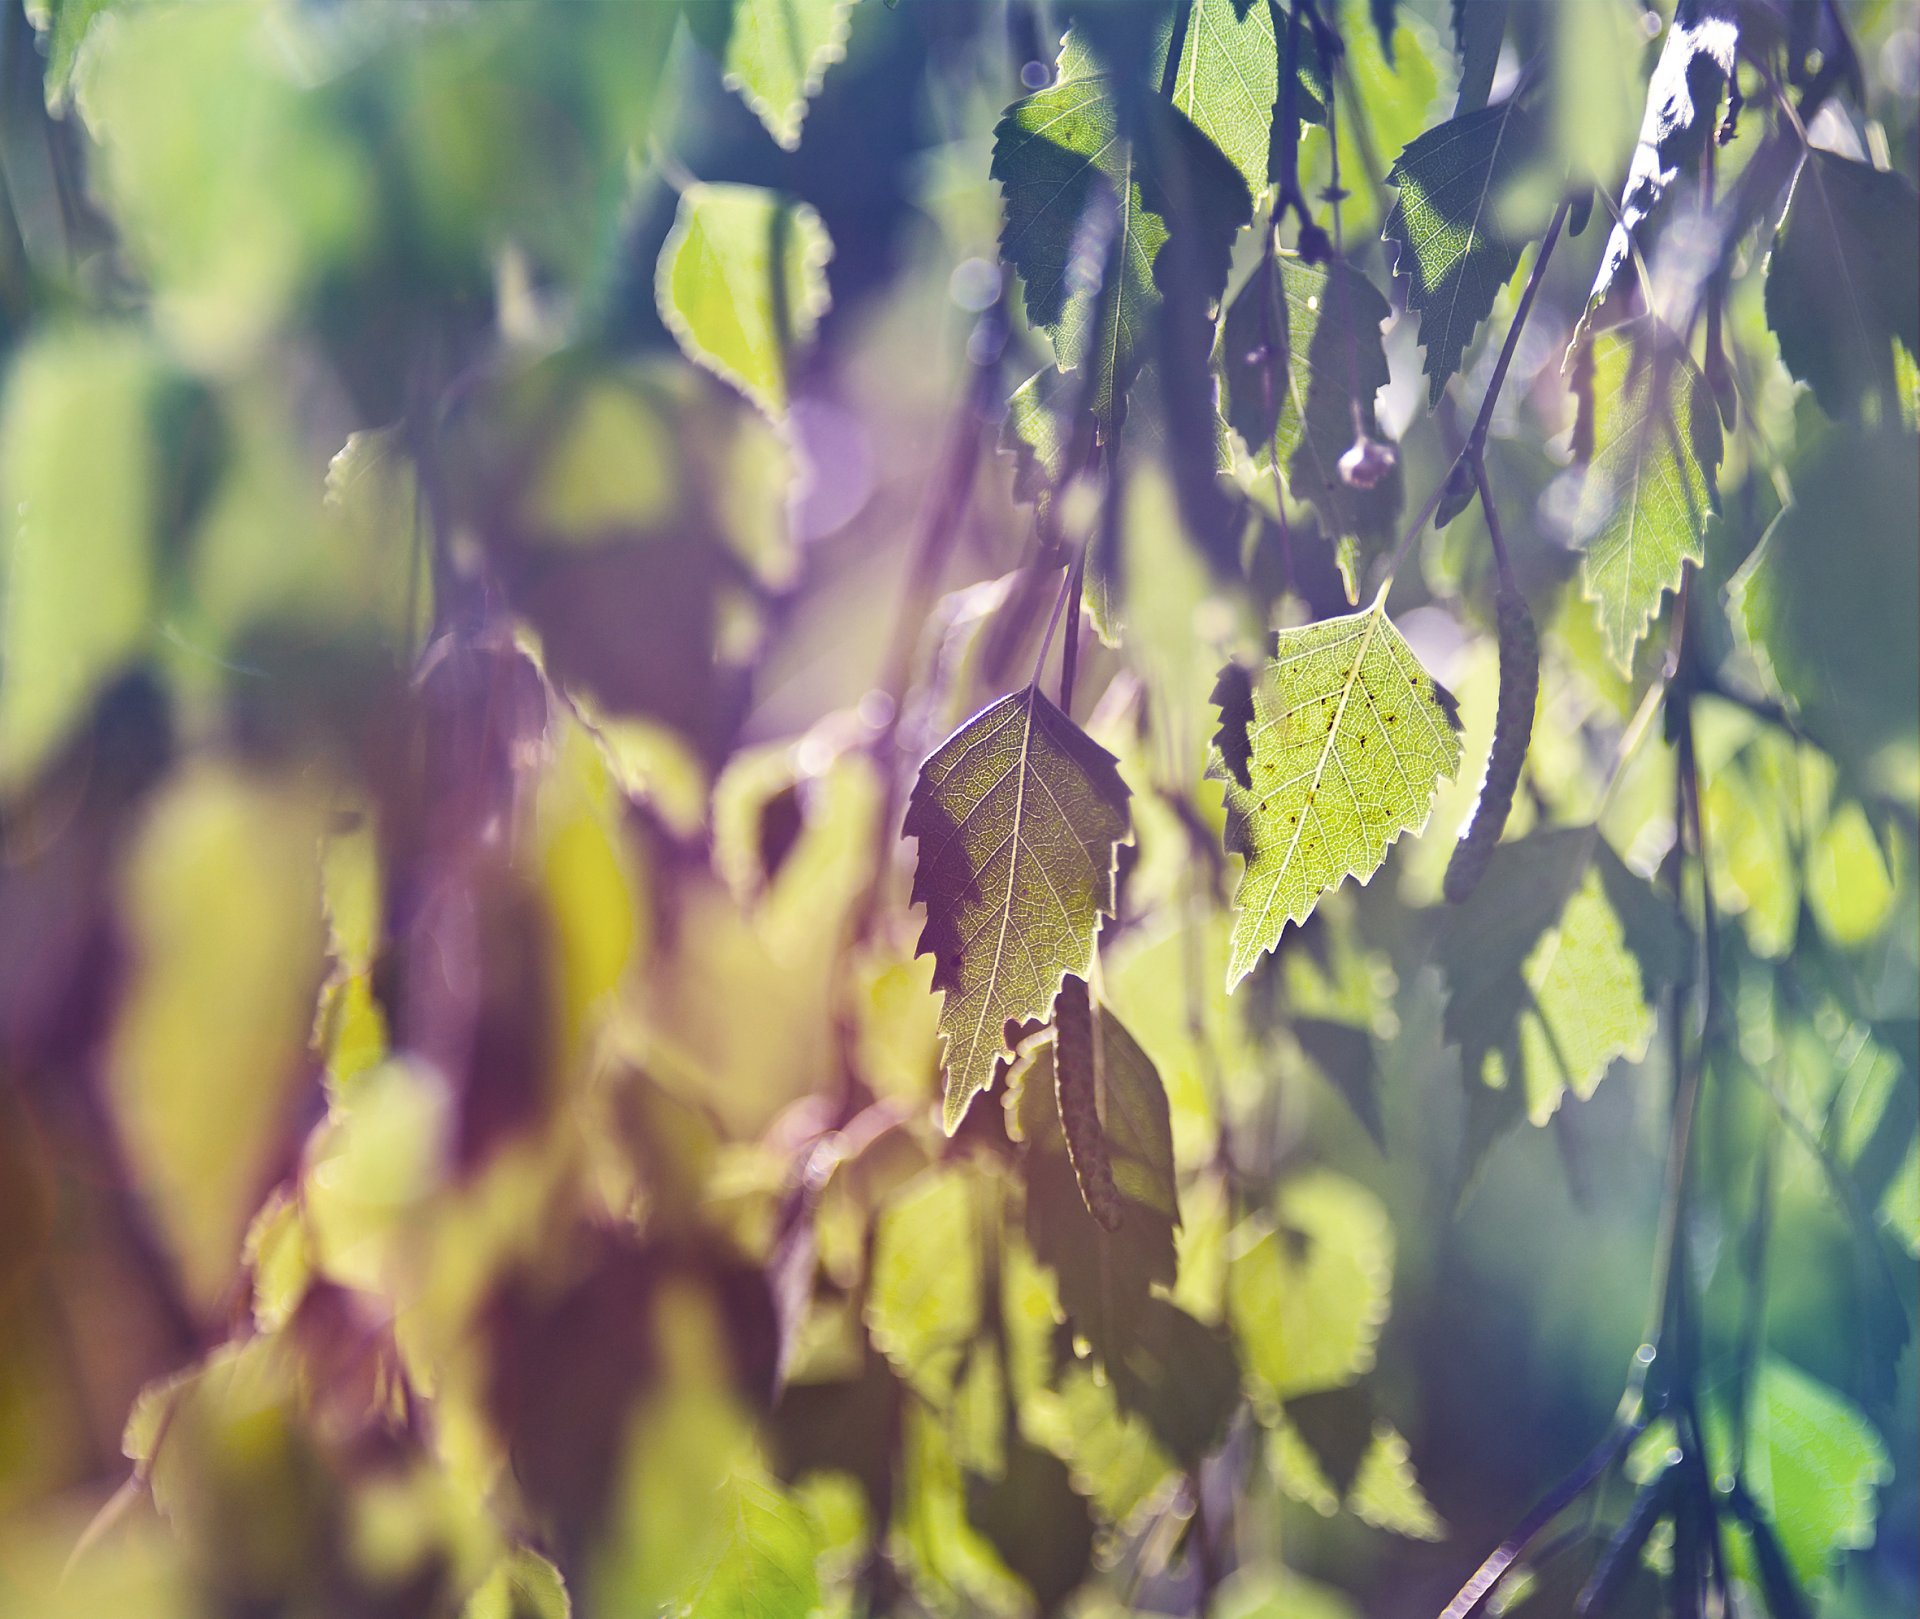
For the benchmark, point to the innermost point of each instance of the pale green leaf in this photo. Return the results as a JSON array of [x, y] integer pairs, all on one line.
[[1400, 91], [1814, 1463], [742, 284], [1301, 353], [923, 1299], [78, 464], [1111, 1454], [765, 1564], [777, 56], [523, 1585], [1228, 80], [1268, 1591], [1332, 754], [1038, 433], [1595, 94], [1654, 433], [1308, 1290], [1019, 815], [1551, 965], [222, 895], [1900, 1203], [1386, 1492], [1445, 230]]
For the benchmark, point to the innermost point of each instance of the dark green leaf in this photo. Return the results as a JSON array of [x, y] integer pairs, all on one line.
[[1843, 284]]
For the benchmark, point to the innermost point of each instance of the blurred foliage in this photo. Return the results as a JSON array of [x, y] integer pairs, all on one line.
[[515, 640]]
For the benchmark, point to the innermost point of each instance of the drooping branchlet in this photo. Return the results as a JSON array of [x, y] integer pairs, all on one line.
[[1512, 730], [1076, 1086]]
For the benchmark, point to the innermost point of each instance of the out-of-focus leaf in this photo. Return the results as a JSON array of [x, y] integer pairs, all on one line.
[[1694, 65], [765, 1567], [522, 1585], [1308, 1288], [1445, 229], [1302, 360], [1399, 87], [1900, 1203], [1038, 433], [1267, 1591], [1837, 639], [1035, 1520], [1649, 489], [777, 56], [230, 181], [1103, 1276], [1479, 26], [222, 899], [1596, 96], [1111, 1454], [742, 285], [80, 470], [924, 1295], [1814, 1464], [1336, 752], [1551, 966], [1386, 1492], [1019, 815]]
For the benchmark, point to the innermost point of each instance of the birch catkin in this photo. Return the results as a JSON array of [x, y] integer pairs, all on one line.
[[1512, 729], [1075, 1063]]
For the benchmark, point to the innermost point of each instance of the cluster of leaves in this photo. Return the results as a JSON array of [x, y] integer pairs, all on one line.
[[468, 1075]]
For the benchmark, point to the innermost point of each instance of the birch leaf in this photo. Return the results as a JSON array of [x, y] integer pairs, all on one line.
[[1018, 814], [1329, 755], [742, 283], [1444, 228], [1649, 489], [777, 55]]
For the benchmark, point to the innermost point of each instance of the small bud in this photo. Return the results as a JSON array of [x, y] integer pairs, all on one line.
[[1366, 462], [1314, 244]]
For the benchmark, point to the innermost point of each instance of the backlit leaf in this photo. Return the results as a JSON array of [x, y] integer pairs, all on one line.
[[1308, 1288], [78, 463], [1018, 814], [777, 56], [1551, 966], [1445, 230], [1649, 490], [1301, 353], [1813, 1467], [742, 283], [1386, 1492], [1089, 207], [1328, 756]]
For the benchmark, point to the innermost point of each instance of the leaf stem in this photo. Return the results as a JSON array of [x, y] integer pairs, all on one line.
[[1470, 455], [1053, 623]]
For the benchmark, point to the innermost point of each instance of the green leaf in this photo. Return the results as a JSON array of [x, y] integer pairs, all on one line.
[[1813, 1465], [1386, 1492], [1111, 1454], [1328, 757], [1087, 214], [1900, 1203], [1019, 815], [1301, 349], [923, 1297], [1038, 434], [1478, 28], [1103, 1276], [79, 465], [1842, 287], [1685, 88], [1649, 489], [1229, 80], [741, 284], [765, 1563], [1308, 1288], [523, 1585], [777, 56], [222, 896], [1550, 966], [1837, 638], [1445, 230]]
